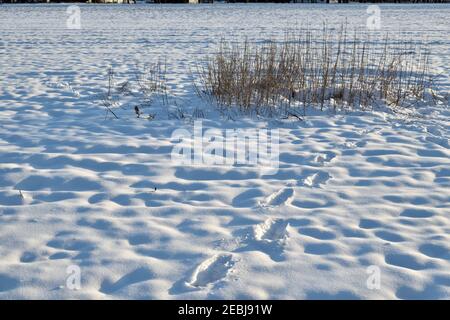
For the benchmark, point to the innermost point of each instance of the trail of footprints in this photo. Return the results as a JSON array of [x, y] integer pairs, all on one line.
[[283, 196], [272, 235], [269, 236]]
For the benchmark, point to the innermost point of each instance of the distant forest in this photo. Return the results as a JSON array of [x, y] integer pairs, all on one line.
[[230, 1]]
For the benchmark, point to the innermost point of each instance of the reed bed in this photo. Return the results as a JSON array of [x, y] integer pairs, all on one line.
[[316, 69]]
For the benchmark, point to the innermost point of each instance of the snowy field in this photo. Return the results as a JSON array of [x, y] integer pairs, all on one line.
[[355, 196]]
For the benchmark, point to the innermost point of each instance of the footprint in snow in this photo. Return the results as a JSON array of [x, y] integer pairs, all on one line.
[[283, 196], [271, 230], [323, 158], [368, 131], [268, 237], [211, 270], [349, 145], [316, 179], [352, 144]]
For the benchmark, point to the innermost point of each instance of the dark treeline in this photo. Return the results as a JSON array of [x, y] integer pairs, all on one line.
[[230, 1]]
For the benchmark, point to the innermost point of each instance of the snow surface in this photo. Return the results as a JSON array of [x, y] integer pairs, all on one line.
[[352, 191]]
